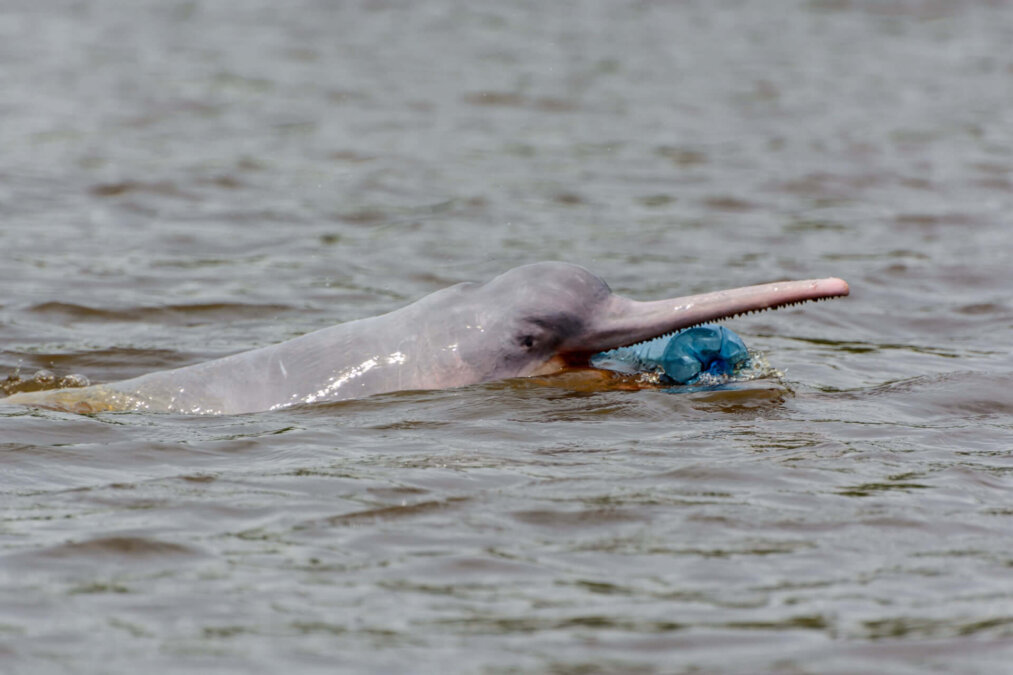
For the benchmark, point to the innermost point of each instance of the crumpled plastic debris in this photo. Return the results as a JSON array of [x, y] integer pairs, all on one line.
[[681, 357]]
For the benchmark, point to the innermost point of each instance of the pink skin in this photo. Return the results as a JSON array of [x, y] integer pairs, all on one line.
[[532, 320]]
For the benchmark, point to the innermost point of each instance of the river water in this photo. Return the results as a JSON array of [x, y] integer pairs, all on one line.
[[183, 180]]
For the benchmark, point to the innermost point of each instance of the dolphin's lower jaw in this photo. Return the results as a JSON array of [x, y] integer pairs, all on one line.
[[534, 320]]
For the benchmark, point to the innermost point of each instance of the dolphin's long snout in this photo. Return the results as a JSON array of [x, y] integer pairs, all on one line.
[[628, 321]]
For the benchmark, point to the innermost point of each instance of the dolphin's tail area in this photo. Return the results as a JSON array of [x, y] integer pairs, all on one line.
[[84, 400]]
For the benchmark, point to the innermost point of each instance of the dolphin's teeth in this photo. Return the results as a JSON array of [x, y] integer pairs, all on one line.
[[735, 315]]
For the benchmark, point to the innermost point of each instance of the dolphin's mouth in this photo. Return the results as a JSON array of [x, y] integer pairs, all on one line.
[[627, 323]]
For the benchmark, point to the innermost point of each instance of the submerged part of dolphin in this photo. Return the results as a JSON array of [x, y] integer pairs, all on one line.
[[533, 320]]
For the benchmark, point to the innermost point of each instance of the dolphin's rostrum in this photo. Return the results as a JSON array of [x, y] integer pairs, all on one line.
[[532, 320]]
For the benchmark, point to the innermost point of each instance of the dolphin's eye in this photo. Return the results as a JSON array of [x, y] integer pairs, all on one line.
[[527, 341]]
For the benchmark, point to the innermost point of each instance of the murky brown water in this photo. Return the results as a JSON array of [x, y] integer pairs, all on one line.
[[183, 180]]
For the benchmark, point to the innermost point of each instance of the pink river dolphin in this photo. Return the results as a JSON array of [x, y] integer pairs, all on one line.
[[536, 319]]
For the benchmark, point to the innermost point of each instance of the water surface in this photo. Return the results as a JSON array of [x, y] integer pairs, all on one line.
[[186, 180]]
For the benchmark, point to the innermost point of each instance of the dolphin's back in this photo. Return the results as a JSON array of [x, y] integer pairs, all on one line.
[[390, 352], [326, 365]]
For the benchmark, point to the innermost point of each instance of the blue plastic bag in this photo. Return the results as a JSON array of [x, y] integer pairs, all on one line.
[[681, 357]]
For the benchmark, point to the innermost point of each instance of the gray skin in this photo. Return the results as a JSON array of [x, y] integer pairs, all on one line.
[[533, 320]]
